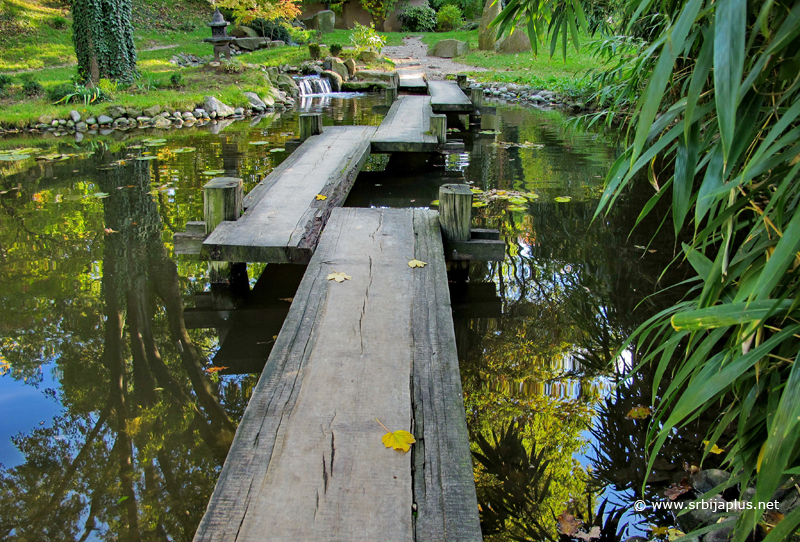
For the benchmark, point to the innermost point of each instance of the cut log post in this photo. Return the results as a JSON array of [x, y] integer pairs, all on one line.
[[223, 199], [310, 124], [476, 96], [439, 127], [455, 212], [461, 79], [390, 95]]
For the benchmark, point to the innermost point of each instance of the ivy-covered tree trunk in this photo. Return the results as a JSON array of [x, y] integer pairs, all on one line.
[[103, 37]]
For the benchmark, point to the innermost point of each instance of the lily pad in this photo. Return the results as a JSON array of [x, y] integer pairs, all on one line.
[[517, 200], [479, 204], [435, 202], [13, 157], [517, 208], [211, 172], [147, 158], [563, 199], [532, 196], [490, 132], [26, 150], [277, 150], [184, 150], [100, 194], [259, 142]]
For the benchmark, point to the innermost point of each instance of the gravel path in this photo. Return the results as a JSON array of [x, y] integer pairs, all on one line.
[[413, 56]]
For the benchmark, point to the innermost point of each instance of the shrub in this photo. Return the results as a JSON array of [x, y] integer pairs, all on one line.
[[31, 87], [58, 22], [365, 38], [335, 49], [418, 19], [271, 29], [298, 35], [79, 93], [232, 66], [314, 50], [59, 92], [176, 80], [449, 18]]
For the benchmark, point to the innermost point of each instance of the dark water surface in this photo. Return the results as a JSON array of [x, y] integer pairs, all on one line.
[[112, 426]]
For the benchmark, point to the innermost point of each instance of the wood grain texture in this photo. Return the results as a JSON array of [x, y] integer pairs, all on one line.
[[446, 96], [283, 217], [406, 127], [307, 462]]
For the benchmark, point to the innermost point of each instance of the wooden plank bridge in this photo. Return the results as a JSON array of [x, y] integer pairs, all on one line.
[[307, 461]]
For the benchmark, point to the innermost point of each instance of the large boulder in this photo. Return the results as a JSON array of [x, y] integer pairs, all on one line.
[[251, 44], [350, 64], [242, 32], [268, 100], [516, 42], [449, 49], [486, 35], [339, 67], [335, 80], [212, 105], [368, 57], [323, 21], [256, 103], [288, 85]]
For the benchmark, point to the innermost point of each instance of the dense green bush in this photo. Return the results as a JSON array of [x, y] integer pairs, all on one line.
[[418, 19], [449, 18], [365, 38], [271, 29], [314, 50], [470, 9], [31, 87], [335, 49], [59, 92]]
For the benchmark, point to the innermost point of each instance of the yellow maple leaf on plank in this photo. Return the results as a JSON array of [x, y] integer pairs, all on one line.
[[320, 197], [338, 277], [399, 440], [416, 263]]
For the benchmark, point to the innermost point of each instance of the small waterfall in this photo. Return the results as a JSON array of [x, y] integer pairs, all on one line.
[[314, 85]]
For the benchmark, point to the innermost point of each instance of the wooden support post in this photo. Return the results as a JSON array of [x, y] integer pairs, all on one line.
[[223, 199], [476, 96], [455, 212], [439, 127], [310, 124], [390, 95], [461, 79]]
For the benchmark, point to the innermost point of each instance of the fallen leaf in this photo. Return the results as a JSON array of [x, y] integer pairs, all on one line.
[[211, 370], [659, 531], [320, 197], [338, 277], [639, 413], [591, 535], [568, 524], [399, 440], [563, 199], [416, 263], [714, 449], [690, 468], [771, 519], [676, 490], [289, 299], [674, 534]]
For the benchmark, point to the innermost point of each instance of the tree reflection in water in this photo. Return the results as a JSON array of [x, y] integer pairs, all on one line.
[[541, 384], [144, 432]]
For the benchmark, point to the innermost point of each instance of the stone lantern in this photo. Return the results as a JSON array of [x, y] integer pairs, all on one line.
[[219, 36]]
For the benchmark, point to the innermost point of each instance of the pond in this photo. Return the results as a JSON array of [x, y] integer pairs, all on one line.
[[114, 422]]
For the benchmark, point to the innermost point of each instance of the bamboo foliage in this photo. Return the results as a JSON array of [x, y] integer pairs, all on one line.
[[717, 107]]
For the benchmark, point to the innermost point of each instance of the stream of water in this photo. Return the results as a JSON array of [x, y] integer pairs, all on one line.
[[112, 429]]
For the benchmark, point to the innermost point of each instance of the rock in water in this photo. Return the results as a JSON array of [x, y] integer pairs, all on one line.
[[338, 66], [449, 49], [350, 64], [211, 104], [486, 35], [335, 80], [256, 103]]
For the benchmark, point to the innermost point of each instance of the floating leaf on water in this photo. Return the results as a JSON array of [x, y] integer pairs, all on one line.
[[184, 149], [214, 172], [148, 158], [639, 413], [490, 132], [416, 263], [518, 200], [532, 195], [563, 199], [100, 194], [435, 203], [259, 142], [517, 208], [476, 190], [714, 449], [135, 147], [479, 204], [25, 150], [13, 157], [277, 150], [529, 145], [676, 490]]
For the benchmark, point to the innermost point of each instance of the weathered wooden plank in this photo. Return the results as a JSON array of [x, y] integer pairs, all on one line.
[[307, 462], [444, 487], [283, 217], [407, 127], [446, 96], [412, 80]]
